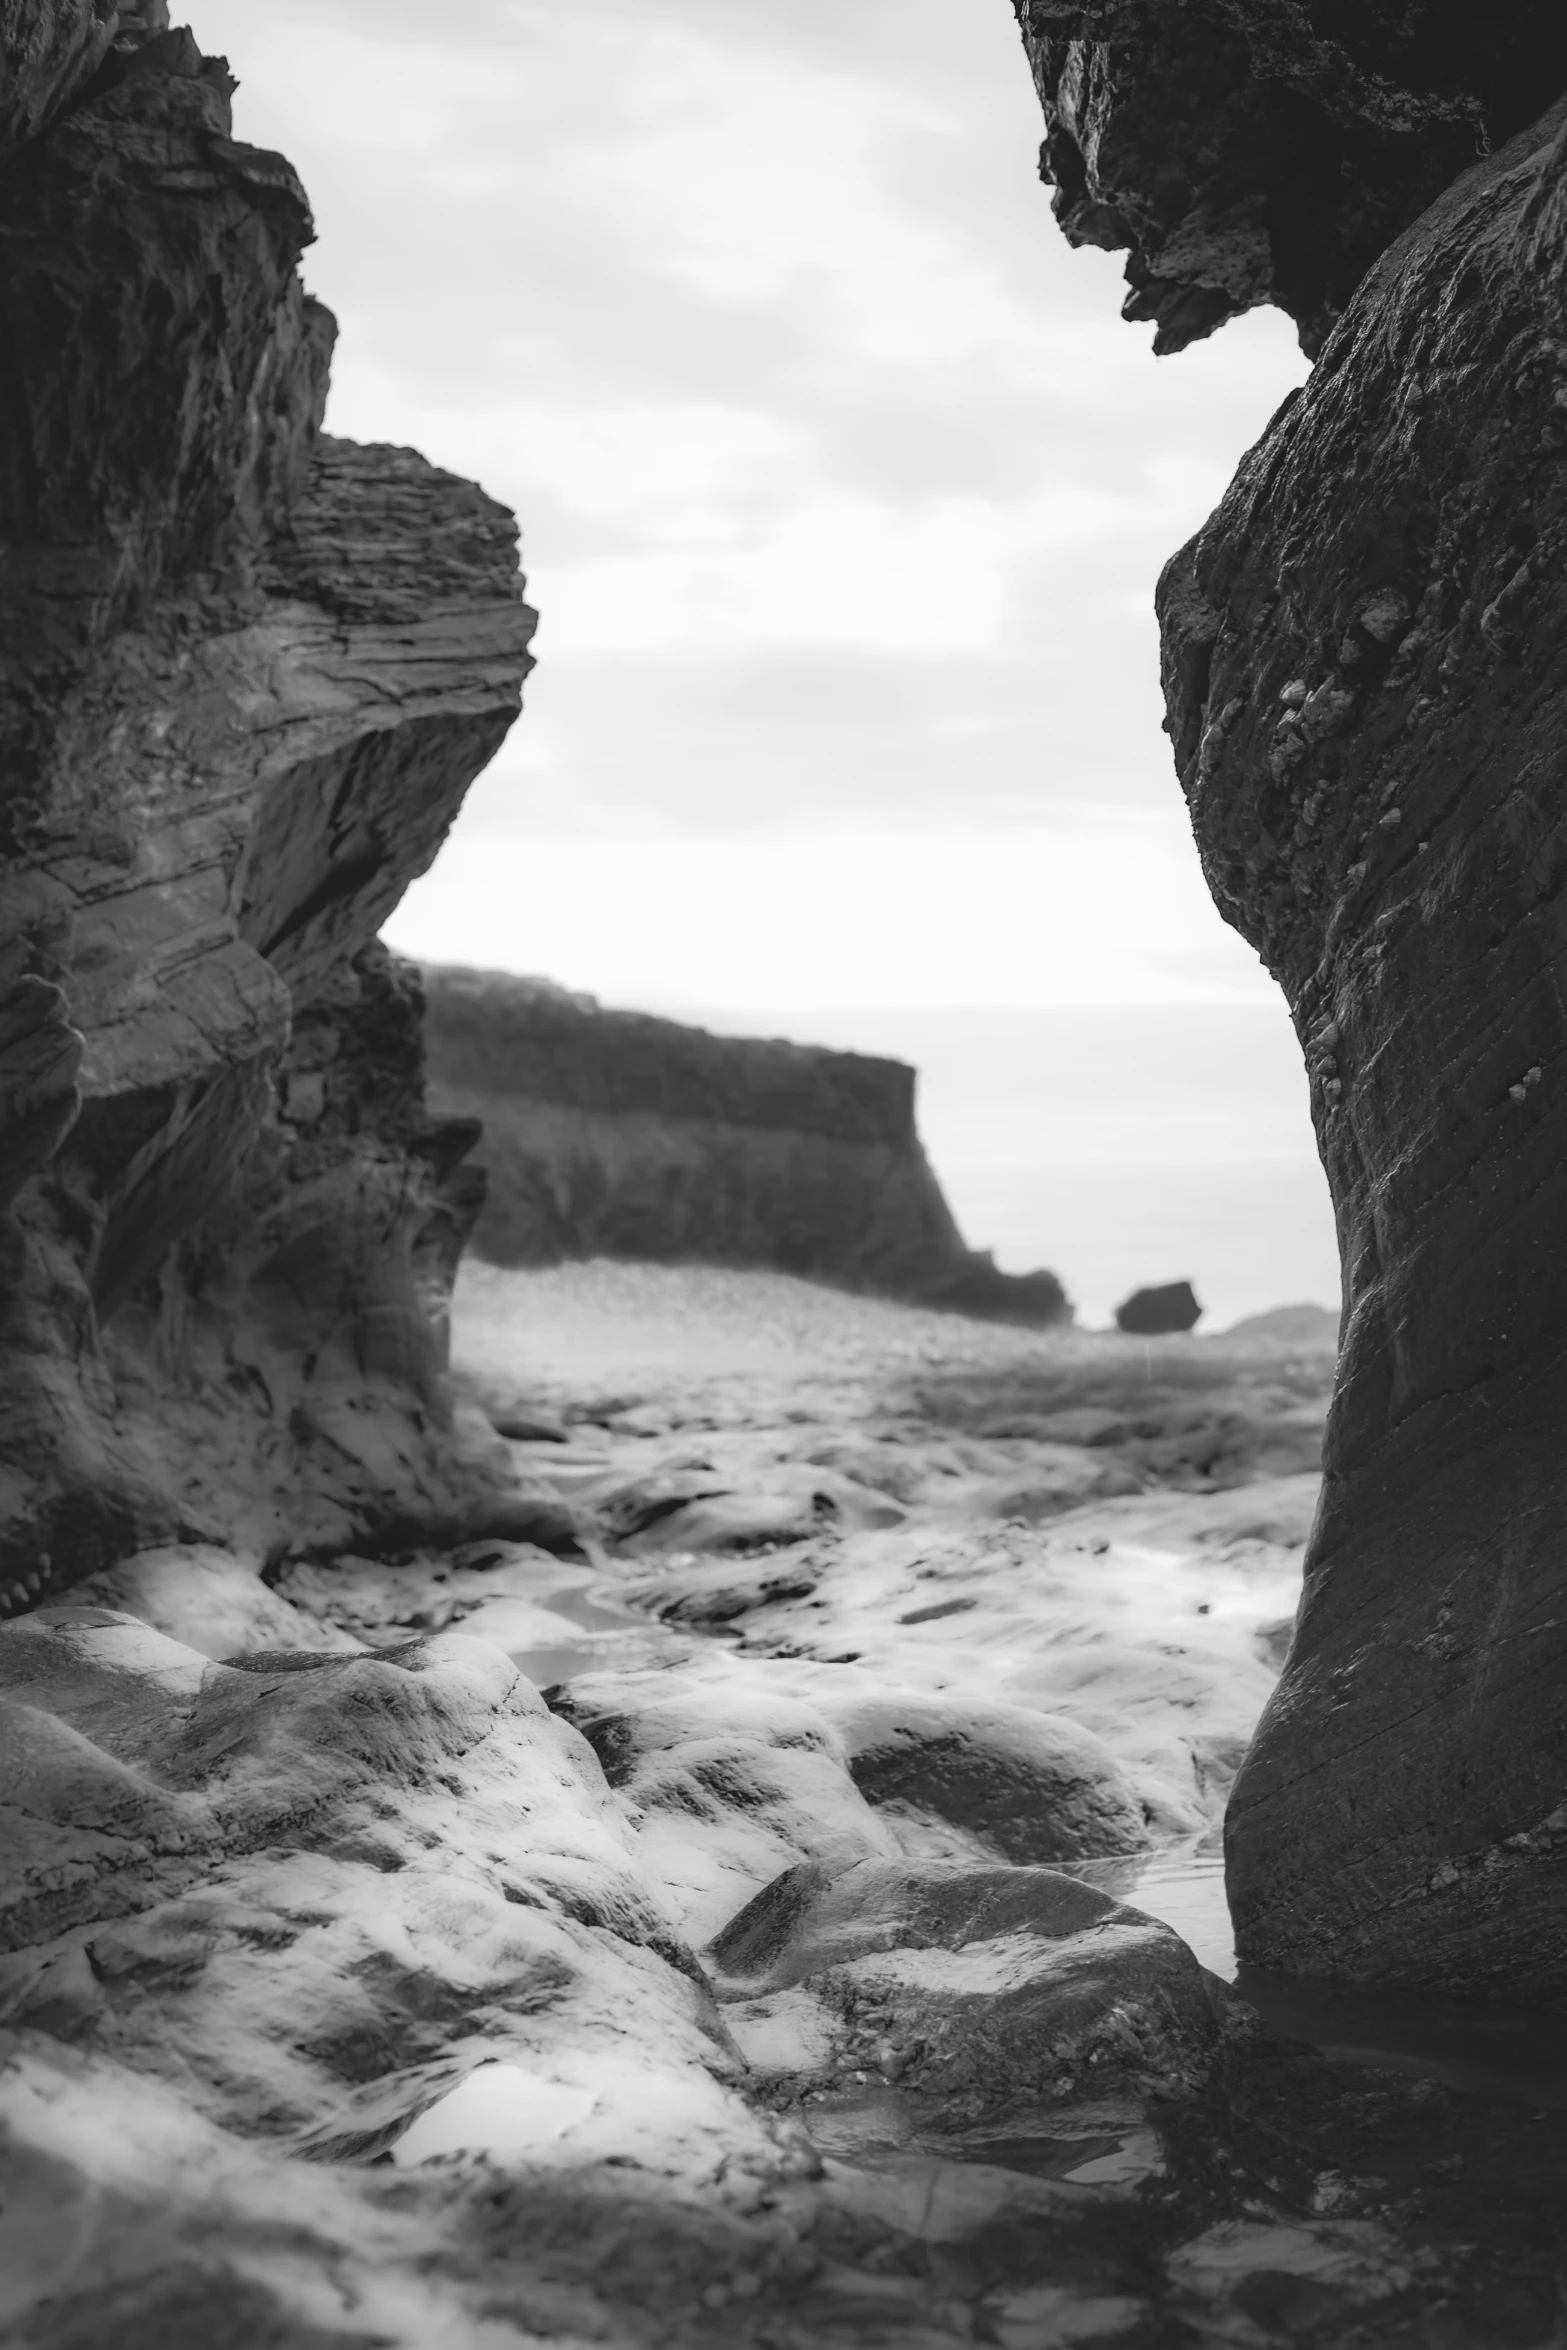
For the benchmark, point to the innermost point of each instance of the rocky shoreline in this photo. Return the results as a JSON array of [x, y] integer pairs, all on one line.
[[633, 1846], [706, 1929], [247, 672]]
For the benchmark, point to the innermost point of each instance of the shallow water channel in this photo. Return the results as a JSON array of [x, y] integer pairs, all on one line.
[[1510, 2050], [550, 1662], [1183, 1886]]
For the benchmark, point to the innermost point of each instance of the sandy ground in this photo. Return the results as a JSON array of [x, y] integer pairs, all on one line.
[[568, 1327]]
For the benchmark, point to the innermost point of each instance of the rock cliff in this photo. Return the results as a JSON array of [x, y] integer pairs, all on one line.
[[1367, 690], [247, 672], [613, 1133]]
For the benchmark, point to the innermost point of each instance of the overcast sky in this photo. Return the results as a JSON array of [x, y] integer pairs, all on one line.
[[843, 488]]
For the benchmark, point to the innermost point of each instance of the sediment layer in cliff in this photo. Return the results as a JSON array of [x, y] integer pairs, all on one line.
[[248, 672], [610, 1133]]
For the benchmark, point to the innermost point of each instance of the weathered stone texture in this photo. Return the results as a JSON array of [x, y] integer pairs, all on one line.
[[48, 48], [246, 675], [1247, 151], [1366, 682], [1366, 670], [282, 1926]]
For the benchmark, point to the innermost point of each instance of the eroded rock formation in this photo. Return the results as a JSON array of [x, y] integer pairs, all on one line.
[[1368, 682], [1247, 151], [1367, 689], [246, 674], [734, 1985], [611, 1133]]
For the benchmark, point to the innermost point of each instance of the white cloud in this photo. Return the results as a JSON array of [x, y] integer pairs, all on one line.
[[843, 489], [753, 179]]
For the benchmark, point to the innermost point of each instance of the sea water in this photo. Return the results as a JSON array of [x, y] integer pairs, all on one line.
[[1182, 1886]]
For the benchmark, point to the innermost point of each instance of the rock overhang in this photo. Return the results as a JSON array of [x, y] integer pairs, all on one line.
[[1250, 151]]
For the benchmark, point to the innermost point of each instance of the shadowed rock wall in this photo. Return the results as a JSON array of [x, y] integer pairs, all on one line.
[[1365, 670], [246, 675], [1247, 151], [617, 1134]]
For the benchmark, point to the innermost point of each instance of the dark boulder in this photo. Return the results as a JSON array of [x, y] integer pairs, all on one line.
[[1033, 1787], [1247, 151], [1156, 1313]]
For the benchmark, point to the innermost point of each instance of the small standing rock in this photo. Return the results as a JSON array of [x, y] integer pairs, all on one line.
[[1153, 1313]]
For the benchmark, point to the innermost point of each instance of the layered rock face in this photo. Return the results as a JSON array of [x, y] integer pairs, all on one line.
[[1365, 677], [248, 672], [613, 1133]]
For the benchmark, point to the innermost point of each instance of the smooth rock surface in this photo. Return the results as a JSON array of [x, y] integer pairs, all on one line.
[[1246, 151], [1032, 1787], [1364, 682], [290, 1912], [1141, 1591], [982, 1994], [1365, 668], [208, 1599]]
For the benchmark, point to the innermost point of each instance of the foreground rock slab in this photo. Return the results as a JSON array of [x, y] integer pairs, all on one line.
[[305, 1909], [352, 1994]]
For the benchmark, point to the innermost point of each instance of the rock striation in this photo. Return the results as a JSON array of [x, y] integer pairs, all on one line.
[[248, 672], [610, 1133], [1367, 693]]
